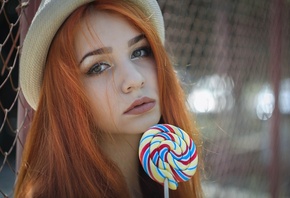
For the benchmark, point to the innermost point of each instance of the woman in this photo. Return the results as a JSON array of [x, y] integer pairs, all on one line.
[[98, 76]]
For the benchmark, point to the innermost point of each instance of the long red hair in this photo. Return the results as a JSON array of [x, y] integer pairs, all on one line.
[[61, 156]]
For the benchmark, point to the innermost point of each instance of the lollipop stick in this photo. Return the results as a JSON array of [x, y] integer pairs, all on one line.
[[166, 189]]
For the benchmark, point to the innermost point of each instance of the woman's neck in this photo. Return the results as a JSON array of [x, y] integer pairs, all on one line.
[[123, 150]]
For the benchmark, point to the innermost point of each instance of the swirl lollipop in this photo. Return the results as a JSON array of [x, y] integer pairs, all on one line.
[[168, 155]]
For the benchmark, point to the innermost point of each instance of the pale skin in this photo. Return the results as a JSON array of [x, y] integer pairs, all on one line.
[[119, 75]]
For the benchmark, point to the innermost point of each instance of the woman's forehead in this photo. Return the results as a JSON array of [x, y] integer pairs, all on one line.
[[103, 28]]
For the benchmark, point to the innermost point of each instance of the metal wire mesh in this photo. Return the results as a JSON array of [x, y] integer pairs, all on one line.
[[9, 91], [230, 56], [233, 59]]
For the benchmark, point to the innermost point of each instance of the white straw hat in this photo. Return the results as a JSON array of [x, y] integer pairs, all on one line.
[[49, 17]]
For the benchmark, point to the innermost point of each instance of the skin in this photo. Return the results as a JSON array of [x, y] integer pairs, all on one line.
[[128, 73], [123, 73]]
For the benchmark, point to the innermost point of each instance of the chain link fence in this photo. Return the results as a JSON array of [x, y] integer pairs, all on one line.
[[9, 91], [233, 57]]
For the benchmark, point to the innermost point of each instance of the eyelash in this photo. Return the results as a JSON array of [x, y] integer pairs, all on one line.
[[145, 51], [100, 65]]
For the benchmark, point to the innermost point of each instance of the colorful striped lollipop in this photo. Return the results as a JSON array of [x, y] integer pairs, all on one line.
[[167, 152]]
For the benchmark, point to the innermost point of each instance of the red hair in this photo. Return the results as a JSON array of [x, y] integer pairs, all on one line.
[[61, 156]]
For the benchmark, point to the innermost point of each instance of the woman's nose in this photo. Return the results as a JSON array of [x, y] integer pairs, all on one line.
[[132, 77]]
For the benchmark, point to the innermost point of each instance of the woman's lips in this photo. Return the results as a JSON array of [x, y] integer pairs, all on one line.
[[140, 106]]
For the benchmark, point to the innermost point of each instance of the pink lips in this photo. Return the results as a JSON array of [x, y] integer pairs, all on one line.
[[140, 106]]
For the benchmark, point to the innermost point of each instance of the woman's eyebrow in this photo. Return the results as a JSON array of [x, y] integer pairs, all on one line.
[[103, 50], [136, 39], [106, 50]]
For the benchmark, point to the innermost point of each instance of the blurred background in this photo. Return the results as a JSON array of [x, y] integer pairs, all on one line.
[[233, 59]]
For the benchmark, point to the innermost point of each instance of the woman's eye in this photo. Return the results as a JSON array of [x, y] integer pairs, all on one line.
[[141, 52], [98, 68]]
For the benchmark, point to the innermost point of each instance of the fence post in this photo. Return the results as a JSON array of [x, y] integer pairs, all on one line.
[[275, 32]]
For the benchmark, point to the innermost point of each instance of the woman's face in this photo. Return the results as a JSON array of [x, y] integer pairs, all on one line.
[[118, 71]]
